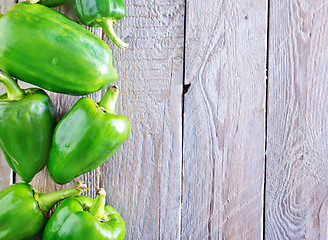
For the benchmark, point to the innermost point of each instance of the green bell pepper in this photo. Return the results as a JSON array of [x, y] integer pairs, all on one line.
[[102, 13], [86, 137], [27, 121], [24, 211], [48, 3], [84, 218], [43, 47]]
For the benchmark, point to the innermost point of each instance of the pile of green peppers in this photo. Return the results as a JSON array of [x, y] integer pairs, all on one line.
[[58, 55]]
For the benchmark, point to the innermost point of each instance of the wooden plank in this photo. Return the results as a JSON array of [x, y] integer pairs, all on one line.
[[5, 5], [224, 119], [144, 178], [296, 193], [63, 104], [6, 174]]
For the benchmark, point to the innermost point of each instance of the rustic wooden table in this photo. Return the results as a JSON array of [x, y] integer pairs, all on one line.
[[227, 101]]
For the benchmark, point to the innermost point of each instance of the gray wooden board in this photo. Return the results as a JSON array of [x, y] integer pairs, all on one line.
[[62, 104], [144, 178], [224, 119], [193, 166], [6, 174], [297, 162]]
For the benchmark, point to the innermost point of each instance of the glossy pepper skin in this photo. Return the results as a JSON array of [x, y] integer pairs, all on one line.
[[43, 47], [27, 121], [24, 211], [102, 13], [84, 218], [48, 3], [86, 137]]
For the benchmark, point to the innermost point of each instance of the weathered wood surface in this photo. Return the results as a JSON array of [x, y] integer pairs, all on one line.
[[144, 176], [6, 174], [63, 104], [297, 163], [194, 164], [224, 120], [143, 179]]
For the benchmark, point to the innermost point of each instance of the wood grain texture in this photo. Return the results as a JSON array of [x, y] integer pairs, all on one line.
[[144, 178], [63, 103], [297, 163], [6, 174], [224, 119]]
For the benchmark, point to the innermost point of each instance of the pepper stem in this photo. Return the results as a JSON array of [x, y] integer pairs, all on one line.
[[47, 200], [109, 100], [32, 1], [98, 207], [14, 92], [107, 26]]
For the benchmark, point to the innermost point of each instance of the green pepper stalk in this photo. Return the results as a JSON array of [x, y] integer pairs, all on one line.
[[84, 218], [27, 121], [45, 48], [86, 137], [48, 3], [13, 90], [102, 13], [24, 211]]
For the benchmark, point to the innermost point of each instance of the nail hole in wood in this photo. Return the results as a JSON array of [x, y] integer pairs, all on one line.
[[186, 88]]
